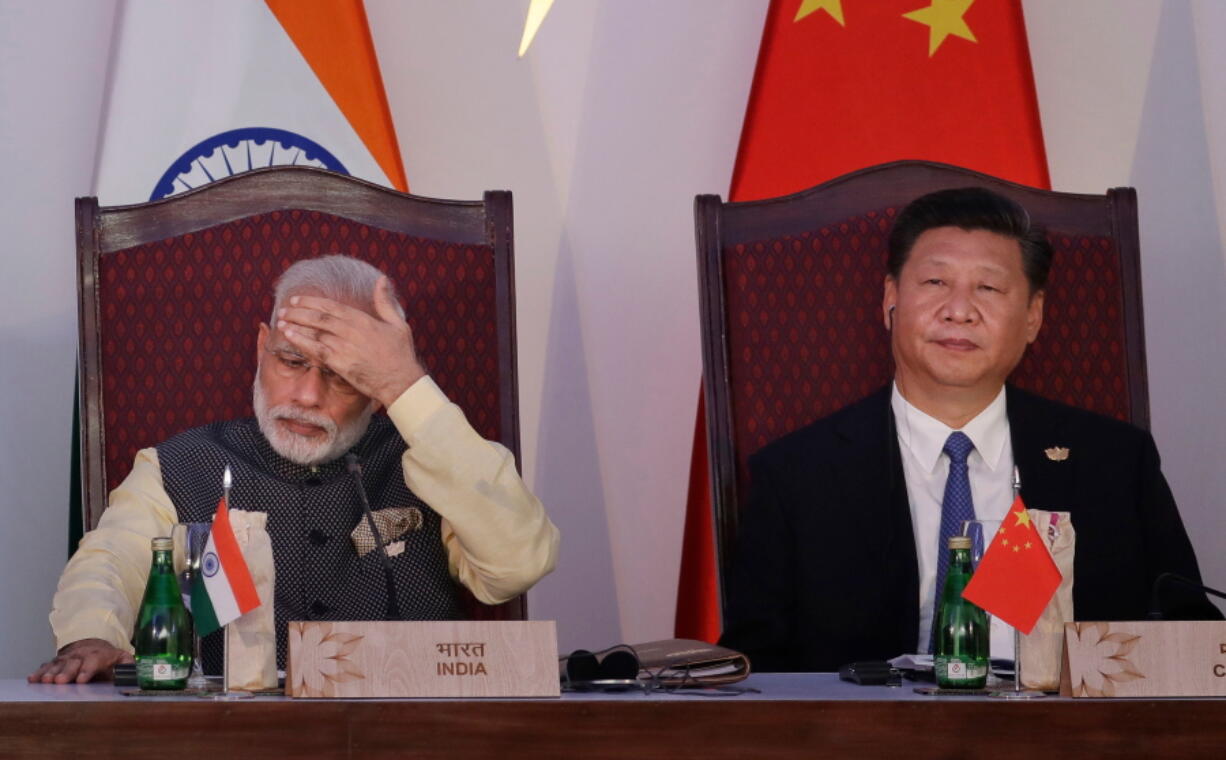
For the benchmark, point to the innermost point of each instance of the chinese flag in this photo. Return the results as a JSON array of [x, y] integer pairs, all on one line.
[[845, 84], [1017, 576]]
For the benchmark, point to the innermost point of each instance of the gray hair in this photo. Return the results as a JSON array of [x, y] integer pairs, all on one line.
[[340, 278]]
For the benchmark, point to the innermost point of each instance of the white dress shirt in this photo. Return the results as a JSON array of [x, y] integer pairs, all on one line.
[[921, 439]]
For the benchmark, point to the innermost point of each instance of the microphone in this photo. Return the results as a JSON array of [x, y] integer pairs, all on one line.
[[1155, 599], [393, 601]]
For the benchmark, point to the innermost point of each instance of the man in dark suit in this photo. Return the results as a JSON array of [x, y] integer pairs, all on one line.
[[837, 559]]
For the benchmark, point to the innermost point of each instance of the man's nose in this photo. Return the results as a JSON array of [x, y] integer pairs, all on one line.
[[960, 306], [309, 388]]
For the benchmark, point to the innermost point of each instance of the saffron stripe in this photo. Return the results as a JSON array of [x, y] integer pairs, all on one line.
[[334, 39], [232, 562]]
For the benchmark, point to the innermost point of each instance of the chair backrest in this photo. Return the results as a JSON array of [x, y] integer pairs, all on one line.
[[790, 295], [172, 292]]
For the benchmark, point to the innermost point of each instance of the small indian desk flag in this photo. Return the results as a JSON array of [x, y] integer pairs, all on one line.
[[1017, 576], [223, 590]]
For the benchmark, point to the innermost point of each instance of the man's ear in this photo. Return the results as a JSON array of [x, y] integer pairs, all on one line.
[[260, 340], [889, 301], [1034, 316]]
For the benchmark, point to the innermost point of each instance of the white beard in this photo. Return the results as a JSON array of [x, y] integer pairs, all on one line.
[[300, 449]]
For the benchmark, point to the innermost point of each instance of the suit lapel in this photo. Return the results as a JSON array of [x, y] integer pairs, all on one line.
[[1041, 450], [870, 474]]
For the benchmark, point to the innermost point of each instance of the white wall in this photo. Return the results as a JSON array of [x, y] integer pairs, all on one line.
[[621, 113], [1133, 92], [53, 60]]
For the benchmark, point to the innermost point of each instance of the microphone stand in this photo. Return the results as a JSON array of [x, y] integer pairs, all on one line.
[[1155, 597], [393, 603]]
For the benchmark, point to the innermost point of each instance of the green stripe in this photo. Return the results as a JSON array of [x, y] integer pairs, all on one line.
[[203, 614]]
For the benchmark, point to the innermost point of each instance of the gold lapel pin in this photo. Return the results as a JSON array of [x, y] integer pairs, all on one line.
[[1056, 453]]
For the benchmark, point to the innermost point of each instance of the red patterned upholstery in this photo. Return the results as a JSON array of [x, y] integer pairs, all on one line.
[[179, 317], [791, 301], [172, 293], [804, 327]]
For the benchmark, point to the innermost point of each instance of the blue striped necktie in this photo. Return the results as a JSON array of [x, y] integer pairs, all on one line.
[[956, 508]]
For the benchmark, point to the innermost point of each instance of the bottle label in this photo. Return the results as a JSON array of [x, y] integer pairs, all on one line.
[[956, 669], [160, 670]]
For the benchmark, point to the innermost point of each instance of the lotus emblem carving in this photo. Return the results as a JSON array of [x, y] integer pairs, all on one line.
[[1106, 655], [324, 659]]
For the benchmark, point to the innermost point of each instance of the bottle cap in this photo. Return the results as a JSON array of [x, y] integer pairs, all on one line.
[[959, 542], [162, 544]]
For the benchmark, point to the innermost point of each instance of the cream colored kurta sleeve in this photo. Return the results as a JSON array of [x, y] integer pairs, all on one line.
[[100, 590], [499, 540]]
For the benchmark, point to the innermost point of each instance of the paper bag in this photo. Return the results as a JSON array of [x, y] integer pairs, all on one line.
[[1042, 650], [251, 641]]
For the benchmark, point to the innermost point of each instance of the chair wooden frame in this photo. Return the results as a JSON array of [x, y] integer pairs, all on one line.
[[720, 225]]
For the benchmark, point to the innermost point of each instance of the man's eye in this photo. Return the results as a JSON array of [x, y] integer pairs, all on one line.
[[934, 281], [989, 288], [292, 363]]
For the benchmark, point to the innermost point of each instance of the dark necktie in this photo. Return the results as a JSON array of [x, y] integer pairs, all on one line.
[[956, 508]]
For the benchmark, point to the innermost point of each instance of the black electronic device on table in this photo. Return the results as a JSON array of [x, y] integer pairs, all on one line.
[[871, 673]]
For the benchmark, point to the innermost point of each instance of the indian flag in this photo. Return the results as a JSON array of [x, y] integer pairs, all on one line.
[[202, 90], [223, 590], [206, 89]]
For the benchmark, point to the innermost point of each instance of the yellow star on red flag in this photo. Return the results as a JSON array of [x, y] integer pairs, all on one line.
[[833, 7], [943, 18], [1023, 518]]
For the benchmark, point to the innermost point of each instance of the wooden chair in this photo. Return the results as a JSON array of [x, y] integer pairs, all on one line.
[[172, 291], [790, 297]]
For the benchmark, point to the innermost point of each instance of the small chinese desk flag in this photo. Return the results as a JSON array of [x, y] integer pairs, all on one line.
[[223, 590], [1016, 577]]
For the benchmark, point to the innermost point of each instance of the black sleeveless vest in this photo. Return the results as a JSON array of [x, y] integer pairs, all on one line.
[[311, 512]]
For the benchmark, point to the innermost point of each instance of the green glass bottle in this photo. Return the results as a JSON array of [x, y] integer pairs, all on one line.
[[962, 648], [163, 630]]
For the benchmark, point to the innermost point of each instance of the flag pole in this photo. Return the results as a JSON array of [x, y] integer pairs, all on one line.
[[226, 692], [1017, 664], [226, 658], [227, 481], [1017, 634], [1018, 692]]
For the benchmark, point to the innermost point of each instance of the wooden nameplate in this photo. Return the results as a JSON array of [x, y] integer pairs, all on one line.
[[1155, 658], [467, 659]]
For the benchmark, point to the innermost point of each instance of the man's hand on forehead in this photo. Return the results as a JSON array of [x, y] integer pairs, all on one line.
[[373, 352]]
